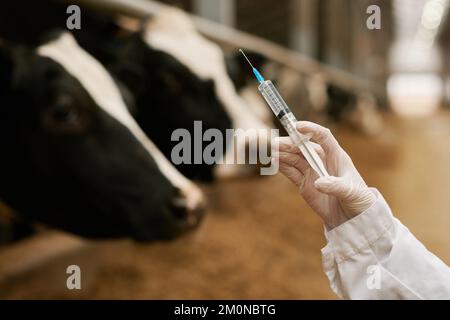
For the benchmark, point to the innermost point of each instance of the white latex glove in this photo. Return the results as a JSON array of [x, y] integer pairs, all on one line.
[[335, 199]]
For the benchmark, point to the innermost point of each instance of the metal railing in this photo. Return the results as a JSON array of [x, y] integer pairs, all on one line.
[[231, 37]]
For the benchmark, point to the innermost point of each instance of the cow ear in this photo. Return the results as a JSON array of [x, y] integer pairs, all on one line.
[[6, 67], [239, 70]]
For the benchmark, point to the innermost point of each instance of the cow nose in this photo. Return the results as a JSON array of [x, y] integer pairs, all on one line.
[[182, 210]]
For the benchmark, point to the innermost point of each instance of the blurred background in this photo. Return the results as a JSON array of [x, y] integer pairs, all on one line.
[[384, 93]]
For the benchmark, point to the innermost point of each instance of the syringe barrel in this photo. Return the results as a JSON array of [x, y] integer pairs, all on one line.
[[281, 111], [274, 99], [289, 122]]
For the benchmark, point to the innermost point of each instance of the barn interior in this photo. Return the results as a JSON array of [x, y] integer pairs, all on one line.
[[385, 68]]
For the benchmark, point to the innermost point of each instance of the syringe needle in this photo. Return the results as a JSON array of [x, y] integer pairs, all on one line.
[[240, 50], [258, 75]]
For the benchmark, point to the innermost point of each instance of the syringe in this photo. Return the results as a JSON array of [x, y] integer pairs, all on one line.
[[288, 120]]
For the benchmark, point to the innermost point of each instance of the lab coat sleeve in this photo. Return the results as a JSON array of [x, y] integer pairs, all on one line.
[[374, 256]]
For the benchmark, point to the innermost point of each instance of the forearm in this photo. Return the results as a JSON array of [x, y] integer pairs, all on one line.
[[373, 256]]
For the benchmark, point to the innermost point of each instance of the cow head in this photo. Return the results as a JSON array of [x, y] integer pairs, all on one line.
[[74, 158], [177, 74], [168, 96]]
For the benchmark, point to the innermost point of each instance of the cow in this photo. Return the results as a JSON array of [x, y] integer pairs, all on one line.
[[174, 75], [72, 156], [188, 64]]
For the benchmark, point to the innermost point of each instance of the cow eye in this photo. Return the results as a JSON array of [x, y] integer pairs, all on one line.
[[64, 111], [171, 82], [63, 115]]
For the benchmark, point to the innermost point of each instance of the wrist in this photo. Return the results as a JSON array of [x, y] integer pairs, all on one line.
[[335, 221], [351, 209], [360, 202]]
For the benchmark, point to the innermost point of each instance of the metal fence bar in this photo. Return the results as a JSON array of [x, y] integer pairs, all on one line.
[[231, 37]]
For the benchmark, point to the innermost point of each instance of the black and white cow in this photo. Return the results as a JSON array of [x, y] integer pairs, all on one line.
[[169, 52], [174, 75], [73, 157]]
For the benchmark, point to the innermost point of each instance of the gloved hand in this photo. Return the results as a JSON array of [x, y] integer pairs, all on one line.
[[335, 199]]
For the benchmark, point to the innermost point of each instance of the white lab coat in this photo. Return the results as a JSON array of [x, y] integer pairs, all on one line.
[[374, 256]]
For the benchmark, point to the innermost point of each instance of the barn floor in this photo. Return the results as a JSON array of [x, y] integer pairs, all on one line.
[[260, 240]]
